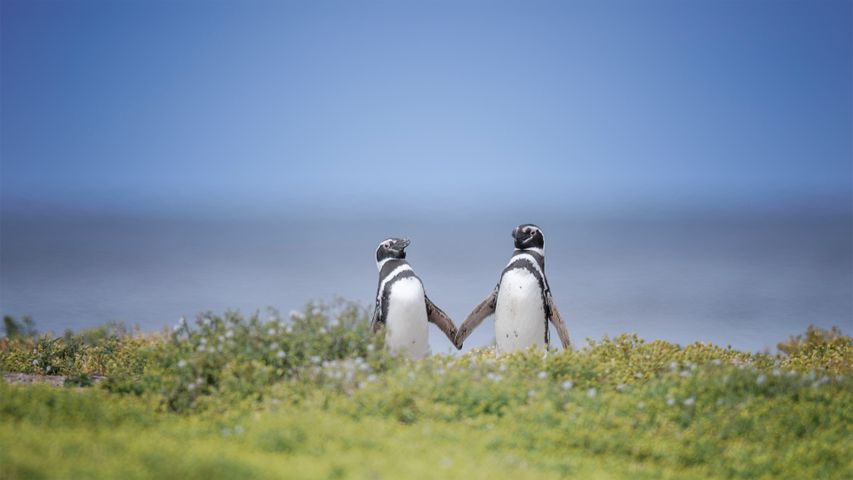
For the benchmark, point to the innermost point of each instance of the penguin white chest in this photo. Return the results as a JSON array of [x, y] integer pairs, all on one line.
[[519, 313], [406, 325]]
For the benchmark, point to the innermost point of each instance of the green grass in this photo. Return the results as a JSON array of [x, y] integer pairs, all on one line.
[[315, 396]]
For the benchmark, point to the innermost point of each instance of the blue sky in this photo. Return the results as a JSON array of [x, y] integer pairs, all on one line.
[[444, 106]]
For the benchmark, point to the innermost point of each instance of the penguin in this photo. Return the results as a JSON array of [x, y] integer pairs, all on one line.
[[521, 301], [402, 307]]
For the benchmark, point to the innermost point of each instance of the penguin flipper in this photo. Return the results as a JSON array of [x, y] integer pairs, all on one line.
[[476, 317], [375, 322], [440, 319], [557, 320]]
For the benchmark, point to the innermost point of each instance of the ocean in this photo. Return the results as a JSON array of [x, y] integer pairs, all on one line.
[[748, 280]]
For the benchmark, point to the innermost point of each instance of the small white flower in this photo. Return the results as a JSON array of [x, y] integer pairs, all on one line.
[[281, 354], [35, 362], [297, 315], [641, 405], [200, 348], [203, 341], [271, 332], [685, 373], [182, 363], [568, 384], [191, 387], [620, 387], [670, 401], [229, 334], [761, 379], [370, 347], [592, 392], [776, 372], [717, 362], [334, 323], [673, 365], [541, 375], [221, 339], [316, 359], [688, 402], [371, 378], [531, 393], [48, 369]]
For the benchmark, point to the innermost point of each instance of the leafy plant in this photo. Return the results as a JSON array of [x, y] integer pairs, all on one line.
[[315, 395], [15, 329]]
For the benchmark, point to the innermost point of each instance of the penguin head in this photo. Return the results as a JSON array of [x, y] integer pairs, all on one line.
[[528, 236], [391, 248]]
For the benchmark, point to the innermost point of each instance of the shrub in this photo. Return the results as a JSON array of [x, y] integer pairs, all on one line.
[[819, 349], [319, 385]]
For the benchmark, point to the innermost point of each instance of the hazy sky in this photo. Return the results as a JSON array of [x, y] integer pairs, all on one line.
[[290, 105]]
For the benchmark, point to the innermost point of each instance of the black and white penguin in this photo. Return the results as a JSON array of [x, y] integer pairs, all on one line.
[[402, 307], [521, 301]]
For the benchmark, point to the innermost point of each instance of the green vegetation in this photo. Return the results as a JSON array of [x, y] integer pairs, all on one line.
[[315, 396], [15, 329]]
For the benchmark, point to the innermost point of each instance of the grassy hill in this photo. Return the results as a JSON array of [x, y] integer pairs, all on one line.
[[315, 396]]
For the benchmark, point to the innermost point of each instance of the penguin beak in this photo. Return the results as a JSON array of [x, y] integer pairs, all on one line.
[[401, 244]]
